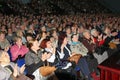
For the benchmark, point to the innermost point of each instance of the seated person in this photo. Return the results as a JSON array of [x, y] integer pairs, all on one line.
[[4, 43], [34, 59], [8, 69], [47, 46], [90, 45], [18, 49], [78, 48]]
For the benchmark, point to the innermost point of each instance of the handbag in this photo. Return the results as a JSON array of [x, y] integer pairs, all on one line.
[[47, 70], [112, 45], [75, 58]]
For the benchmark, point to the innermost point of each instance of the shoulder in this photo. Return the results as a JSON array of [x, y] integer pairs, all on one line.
[[68, 46], [28, 56], [4, 74], [29, 53], [6, 40]]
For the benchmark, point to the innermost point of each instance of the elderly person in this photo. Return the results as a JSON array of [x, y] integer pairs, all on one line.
[[90, 45], [97, 38], [8, 70], [78, 48], [18, 49], [88, 42]]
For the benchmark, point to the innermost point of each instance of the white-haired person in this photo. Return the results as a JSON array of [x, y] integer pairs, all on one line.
[[9, 70]]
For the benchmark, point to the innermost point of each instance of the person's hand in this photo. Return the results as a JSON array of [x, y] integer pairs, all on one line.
[[6, 48], [15, 71], [37, 36], [48, 55], [117, 40], [22, 69], [73, 54], [104, 37], [93, 41], [43, 58]]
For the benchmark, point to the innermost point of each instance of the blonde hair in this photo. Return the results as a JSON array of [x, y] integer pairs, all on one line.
[[16, 38], [19, 33]]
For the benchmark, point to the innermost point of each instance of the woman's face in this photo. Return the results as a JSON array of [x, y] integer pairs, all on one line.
[[75, 38], [52, 39], [49, 44], [44, 35], [36, 44], [43, 29], [65, 41], [19, 42], [68, 31], [20, 34], [54, 33], [29, 38]]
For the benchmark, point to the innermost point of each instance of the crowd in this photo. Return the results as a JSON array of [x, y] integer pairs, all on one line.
[[53, 39], [28, 42]]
